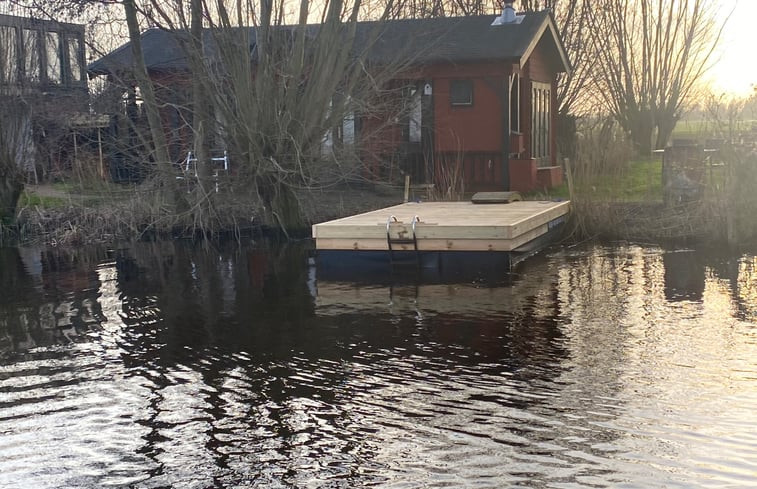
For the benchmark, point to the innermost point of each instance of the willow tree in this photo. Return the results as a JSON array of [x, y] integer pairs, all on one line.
[[272, 87], [650, 56], [14, 144], [14, 127]]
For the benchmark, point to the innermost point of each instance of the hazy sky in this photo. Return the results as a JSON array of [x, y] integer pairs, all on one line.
[[736, 68]]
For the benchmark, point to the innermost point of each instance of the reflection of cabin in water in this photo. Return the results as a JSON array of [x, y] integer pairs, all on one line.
[[480, 93], [43, 84]]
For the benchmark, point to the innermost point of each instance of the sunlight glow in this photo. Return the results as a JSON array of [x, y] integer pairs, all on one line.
[[735, 72]]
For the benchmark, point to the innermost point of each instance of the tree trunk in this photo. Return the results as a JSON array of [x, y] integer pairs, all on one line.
[[162, 158], [665, 127], [12, 138], [641, 129], [200, 103], [10, 190]]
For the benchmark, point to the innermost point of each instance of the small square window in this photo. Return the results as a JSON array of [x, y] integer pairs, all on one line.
[[461, 92]]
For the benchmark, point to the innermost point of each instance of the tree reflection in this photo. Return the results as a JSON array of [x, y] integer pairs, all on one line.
[[49, 297]]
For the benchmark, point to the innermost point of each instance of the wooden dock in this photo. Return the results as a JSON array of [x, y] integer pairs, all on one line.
[[443, 226]]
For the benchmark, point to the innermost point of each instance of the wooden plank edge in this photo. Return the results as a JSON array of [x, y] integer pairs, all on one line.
[[379, 244]]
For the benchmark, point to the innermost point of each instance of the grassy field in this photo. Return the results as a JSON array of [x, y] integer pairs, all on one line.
[[703, 129], [639, 180]]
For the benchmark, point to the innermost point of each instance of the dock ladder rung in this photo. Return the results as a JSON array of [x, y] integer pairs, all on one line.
[[401, 241]]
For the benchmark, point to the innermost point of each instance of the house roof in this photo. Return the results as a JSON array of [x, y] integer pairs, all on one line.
[[34, 23], [423, 41]]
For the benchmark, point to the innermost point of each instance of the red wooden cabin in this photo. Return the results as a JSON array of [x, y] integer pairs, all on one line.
[[482, 98]]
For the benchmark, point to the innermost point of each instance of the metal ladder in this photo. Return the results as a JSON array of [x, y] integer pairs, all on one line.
[[402, 241]]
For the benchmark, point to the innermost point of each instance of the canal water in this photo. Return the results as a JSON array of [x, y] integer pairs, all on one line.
[[172, 365]]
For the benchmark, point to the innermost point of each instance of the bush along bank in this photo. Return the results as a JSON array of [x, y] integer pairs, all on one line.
[[68, 218]]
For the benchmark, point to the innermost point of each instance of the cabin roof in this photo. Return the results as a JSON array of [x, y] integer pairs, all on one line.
[[421, 41]]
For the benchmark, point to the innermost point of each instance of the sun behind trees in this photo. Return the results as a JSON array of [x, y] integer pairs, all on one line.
[[650, 58]]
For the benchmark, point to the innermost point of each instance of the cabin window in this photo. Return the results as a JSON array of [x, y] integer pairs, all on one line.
[[52, 52], [515, 103], [540, 122], [344, 132], [461, 92], [348, 129], [30, 54], [8, 55]]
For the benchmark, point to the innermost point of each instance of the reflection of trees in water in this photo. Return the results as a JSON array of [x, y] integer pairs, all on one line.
[[687, 274], [244, 375], [647, 330], [746, 290], [48, 297], [278, 377], [229, 297]]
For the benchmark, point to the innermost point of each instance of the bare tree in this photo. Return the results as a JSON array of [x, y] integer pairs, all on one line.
[[11, 121], [276, 94], [650, 55], [14, 142], [539, 4]]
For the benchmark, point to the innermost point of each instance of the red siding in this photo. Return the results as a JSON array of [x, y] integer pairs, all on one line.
[[475, 128], [538, 66]]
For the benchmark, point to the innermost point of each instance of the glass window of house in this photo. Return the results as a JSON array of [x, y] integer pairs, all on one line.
[[8, 55], [461, 92], [540, 122], [52, 52], [30, 48], [74, 60]]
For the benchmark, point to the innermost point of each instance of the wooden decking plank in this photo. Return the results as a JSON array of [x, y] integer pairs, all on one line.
[[432, 244]]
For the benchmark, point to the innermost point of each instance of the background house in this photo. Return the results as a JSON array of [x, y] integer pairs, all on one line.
[[478, 100], [43, 86]]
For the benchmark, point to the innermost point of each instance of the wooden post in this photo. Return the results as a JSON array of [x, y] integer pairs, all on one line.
[[75, 166], [100, 150]]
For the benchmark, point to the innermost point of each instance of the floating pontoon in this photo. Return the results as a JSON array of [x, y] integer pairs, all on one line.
[[438, 235]]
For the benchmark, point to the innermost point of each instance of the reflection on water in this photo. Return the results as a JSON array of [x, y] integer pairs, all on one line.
[[167, 365]]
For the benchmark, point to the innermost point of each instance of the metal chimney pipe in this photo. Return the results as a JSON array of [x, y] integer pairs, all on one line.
[[508, 14]]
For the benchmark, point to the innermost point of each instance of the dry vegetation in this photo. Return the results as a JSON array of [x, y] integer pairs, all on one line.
[[617, 197]]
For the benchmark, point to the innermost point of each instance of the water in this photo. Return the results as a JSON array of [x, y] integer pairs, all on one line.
[[164, 365]]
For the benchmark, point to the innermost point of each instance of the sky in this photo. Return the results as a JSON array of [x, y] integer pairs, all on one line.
[[735, 70]]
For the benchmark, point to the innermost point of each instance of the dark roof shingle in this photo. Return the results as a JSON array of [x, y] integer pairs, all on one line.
[[423, 41]]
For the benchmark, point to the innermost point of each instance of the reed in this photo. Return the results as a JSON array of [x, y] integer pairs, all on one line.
[[617, 197]]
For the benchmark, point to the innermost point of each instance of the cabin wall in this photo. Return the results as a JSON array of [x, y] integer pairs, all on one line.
[[469, 139], [174, 94], [474, 128]]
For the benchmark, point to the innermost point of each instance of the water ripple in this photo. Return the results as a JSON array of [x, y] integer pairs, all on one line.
[[595, 368]]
